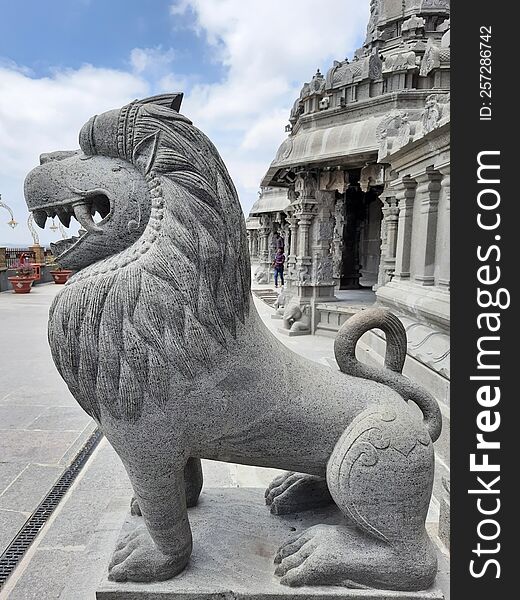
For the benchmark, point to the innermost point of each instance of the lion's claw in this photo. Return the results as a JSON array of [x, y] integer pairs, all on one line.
[[293, 492], [137, 558]]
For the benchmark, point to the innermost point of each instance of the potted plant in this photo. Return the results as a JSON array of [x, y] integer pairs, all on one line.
[[60, 275], [24, 278]]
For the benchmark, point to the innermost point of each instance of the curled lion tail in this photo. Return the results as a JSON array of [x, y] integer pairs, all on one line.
[[345, 351]]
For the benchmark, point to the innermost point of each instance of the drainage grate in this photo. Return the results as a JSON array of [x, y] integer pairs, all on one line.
[[27, 534]]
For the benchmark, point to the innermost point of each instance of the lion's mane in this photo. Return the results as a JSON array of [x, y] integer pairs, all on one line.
[[136, 327]]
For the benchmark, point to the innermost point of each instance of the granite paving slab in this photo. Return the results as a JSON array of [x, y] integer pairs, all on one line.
[[61, 418], [41, 426], [43, 447], [18, 417], [25, 493], [9, 471]]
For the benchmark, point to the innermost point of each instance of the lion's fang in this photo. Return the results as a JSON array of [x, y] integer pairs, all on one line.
[[82, 212]]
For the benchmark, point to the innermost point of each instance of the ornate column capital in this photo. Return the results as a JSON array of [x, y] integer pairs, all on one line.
[[371, 175], [334, 180], [306, 185]]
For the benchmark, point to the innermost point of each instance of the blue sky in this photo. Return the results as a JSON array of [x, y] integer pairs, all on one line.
[[241, 64]]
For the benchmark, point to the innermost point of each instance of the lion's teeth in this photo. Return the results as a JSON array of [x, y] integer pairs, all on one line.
[[40, 216], [82, 214], [63, 216]]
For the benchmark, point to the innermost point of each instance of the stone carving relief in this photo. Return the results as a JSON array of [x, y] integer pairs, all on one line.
[[324, 270], [370, 176], [285, 150], [303, 277], [404, 133], [334, 179], [296, 111], [432, 4], [281, 301], [159, 341], [315, 86], [436, 112], [297, 319], [444, 26], [403, 60], [367, 66], [261, 275], [394, 131], [399, 128], [372, 22], [434, 57], [306, 185], [337, 240], [414, 25]]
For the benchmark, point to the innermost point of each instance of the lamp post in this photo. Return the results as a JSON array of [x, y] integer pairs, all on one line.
[[12, 222], [31, 228]]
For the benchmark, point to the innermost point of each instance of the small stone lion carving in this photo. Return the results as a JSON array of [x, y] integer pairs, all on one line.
[[296, 318], [261, 275], [158, 340]]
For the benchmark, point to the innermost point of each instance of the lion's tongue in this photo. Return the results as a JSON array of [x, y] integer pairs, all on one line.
[[82, 212]]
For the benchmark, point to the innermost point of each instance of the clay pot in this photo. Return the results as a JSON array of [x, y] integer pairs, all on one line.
[[21, 285], [61, 276]]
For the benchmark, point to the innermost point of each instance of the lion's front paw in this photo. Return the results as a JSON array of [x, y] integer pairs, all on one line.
[[293, 492], [137, 558]]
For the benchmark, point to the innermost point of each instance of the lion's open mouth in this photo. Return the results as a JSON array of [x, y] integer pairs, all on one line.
[[83, 210]]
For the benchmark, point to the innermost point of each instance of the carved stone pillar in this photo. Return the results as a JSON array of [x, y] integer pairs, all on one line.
[[250, 243], [293, 239], [311, 225], [443, 280], [305, 205], [428, 189], [405, 199], [323, 233], [264, 250], [304, 223], [337, 240], [389, 226]]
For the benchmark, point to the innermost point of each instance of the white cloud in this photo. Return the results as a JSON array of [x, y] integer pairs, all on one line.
[[44, 114], [268, 49], [151, 60]]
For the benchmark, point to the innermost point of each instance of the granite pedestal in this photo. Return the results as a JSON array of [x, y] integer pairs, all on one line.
[[235, 539]]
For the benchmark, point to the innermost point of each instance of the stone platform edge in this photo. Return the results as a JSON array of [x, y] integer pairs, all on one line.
[[234, 542]]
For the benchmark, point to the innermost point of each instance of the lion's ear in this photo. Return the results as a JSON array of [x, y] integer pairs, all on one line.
[[145, 151], [171, 101]]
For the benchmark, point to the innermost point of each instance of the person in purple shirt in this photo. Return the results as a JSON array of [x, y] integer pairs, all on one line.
[[278, 262]]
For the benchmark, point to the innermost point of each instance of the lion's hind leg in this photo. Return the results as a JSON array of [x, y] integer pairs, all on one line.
[[380, 474]]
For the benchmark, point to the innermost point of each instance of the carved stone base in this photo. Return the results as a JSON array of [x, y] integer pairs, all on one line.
[[235, 539], [290, 333]]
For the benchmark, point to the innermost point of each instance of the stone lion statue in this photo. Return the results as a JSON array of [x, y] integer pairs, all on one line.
[[158, 340]]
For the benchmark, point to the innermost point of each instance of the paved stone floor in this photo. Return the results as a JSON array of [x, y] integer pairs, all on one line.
[[41, 425], [41, 429]]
